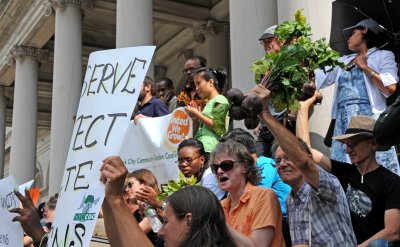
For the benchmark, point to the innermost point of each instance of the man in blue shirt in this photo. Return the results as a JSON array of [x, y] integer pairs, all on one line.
[[148, 105]]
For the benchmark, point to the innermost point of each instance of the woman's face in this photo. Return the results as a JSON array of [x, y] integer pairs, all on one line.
[[133, 185], [203, 87], [233, 179], [189, 161], [356, 41], [173, 230]]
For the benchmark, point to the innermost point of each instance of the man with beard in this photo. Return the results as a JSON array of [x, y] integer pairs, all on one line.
[[188, 92], [148, 105]]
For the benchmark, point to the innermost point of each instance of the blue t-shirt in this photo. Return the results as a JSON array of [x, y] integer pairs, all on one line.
[[270, 179], [154, 108]]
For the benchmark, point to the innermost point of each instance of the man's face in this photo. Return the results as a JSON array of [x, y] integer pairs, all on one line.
[[360, 148], [188, 70], [286, 169], [143, 92], [270, 45], [163, 92]]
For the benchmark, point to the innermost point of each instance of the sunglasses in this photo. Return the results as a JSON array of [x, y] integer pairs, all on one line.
[[225, 166], [353, 144]]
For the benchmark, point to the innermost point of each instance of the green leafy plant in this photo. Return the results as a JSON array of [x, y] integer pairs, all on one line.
[[173, 186], [285, 72]]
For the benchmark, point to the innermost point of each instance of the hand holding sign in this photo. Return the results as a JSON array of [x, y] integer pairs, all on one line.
[[28, 217], [113, 174]]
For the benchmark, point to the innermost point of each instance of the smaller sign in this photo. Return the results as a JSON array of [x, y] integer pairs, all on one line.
[[11, 233]]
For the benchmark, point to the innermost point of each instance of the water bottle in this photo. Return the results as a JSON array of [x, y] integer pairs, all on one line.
[[154, 221]]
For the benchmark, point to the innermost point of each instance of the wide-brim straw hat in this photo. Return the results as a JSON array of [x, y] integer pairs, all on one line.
[[360, 126]]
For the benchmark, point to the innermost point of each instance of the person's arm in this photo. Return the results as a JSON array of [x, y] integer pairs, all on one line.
[[391, 232], [259, 238], [375, 76], [148, 195], [28, 217], [121, 228], [287, 141], [194, 112], [303, 132]]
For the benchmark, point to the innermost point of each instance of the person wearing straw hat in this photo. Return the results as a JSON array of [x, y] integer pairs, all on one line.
[[372, 191]]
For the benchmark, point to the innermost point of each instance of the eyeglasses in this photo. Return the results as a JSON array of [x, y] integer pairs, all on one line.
[[279, 160], [353, 144], [187, 160], [188, 70], [225, 166]]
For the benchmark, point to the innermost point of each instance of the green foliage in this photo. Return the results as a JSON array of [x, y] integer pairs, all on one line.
[[295, 63], [173, 186]]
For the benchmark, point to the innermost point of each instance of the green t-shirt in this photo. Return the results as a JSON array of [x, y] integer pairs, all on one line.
[[216, 109]]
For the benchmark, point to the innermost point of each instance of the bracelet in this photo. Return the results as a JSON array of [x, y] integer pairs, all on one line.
[[43, 240]]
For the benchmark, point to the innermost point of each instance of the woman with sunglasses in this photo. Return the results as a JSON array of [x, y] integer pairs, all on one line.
[[192, 161], [193, 216], [253, 213], [138, 184], [212, 120]]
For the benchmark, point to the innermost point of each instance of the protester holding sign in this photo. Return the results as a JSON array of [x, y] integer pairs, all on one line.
[[213, 118]]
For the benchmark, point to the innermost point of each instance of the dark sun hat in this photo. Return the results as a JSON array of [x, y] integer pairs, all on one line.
[[372, 26], [360, 126]]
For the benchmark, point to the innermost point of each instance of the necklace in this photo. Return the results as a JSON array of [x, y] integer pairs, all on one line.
[[365, 171]]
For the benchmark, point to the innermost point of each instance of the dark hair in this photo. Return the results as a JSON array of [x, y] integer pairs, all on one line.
[[52, 202], [208, 225], [168, 82], [232, 148], [146, 177], [241, 136], [201, 60], [371, 39], [219, 76], [192, 142]]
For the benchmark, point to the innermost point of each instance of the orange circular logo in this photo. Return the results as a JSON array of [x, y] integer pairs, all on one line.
[[178, 128]]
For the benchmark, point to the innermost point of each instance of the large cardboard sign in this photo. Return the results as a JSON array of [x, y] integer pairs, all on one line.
[[152, 144], [11, 233], [110, 90]]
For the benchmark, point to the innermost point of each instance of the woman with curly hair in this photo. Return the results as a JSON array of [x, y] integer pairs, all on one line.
[[253, 213]]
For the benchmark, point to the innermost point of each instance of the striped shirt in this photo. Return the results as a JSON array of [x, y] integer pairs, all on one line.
[[328, 211]]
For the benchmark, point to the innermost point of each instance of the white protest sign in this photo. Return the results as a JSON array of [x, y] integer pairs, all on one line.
[[152, 144], [11, 233], [110, 91]]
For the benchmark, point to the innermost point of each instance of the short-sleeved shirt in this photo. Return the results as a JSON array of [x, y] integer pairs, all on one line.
[[154, 108], [217, 110], [326, 208], [368, 201], [270, 179], [257, 208], [209, 181]]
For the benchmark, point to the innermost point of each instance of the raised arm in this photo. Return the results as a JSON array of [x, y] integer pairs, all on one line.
[[303, 132], [287, 141], [121, 227]]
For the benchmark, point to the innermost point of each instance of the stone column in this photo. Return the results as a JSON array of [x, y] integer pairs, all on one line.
[[135, 24], [67, 83], [2, 130], [248, 19], [216, 40], [23, 138]]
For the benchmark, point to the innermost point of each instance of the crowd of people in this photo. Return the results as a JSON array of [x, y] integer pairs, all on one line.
[[273, 190]]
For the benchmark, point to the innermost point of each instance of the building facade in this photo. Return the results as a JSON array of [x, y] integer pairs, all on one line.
[[45, 45]]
